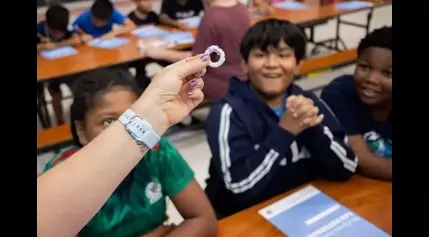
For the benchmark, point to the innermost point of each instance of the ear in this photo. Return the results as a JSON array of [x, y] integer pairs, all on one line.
[[298, 67], [81, 133], [244, 67]]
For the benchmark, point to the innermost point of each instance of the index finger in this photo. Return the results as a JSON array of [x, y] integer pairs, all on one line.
[[189, 66]]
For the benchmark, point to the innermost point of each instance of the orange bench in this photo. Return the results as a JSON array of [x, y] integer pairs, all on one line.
[[55, 137], [60, 136], [329, 61]]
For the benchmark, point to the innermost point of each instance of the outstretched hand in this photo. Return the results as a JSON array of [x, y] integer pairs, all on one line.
[[176, 90]]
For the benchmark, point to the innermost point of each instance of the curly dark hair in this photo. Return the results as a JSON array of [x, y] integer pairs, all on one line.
[[90, 86], [381, 38]]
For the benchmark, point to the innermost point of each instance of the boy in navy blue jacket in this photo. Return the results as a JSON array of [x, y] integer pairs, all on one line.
[[267, 135], [363, 104]]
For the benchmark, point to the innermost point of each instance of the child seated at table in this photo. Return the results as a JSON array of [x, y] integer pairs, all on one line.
[[143, 14], [267, 135], [99, 21], [224, 23], [363, 104], [138, 206], [174, 10], [52, 33]]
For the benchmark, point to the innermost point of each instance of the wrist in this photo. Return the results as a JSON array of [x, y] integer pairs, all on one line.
[[148, 109], [292, 129]]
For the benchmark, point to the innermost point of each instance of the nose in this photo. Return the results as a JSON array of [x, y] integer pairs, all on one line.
[[372, 78], [271, 61]]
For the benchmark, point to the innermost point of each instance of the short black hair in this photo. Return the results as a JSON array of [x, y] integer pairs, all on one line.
[[90, 86], [381, 38], [57, 17], [270, 33], [102, 9]]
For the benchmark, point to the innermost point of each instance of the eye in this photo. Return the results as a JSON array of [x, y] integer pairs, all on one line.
[[259, 54], [108, 121], [364, 66], [387, 73], [285, 55]]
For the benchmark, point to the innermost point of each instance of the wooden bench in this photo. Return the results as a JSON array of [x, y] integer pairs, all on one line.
[[60, 136], [330, 61], [54, 138]]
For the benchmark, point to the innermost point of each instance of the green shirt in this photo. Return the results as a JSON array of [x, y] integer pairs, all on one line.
[[138, 205]]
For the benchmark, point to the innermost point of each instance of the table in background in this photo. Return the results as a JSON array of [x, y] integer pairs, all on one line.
[[90, 58], [317, 14], [371, 199]]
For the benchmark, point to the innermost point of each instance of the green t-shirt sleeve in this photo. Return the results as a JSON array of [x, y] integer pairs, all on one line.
[[175, 173], [51, 162]]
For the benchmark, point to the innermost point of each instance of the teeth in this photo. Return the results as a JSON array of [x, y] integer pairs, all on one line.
[[272, 75], [369, 93]]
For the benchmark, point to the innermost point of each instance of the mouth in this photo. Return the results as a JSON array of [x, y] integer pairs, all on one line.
[[370, 93], [272, 75]]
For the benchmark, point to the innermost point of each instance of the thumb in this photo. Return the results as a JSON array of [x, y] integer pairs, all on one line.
[[189, 66]]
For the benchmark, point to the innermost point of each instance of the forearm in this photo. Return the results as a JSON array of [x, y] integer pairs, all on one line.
[[170, 55], [194, 227], [164, 19], [376, 167], [119, 31], [69, 195], [333, 157], [73, 41]]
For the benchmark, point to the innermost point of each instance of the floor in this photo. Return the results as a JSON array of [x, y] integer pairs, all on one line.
[[193, 145]]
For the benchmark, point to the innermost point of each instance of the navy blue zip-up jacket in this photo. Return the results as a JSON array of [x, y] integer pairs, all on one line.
[[254, 159]]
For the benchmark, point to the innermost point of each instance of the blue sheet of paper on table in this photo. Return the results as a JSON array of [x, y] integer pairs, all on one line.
[[311, 213], [110, 43], [291, 5], [179, 37], [191, 22], [150, 31], [352, 5], [58, 52]]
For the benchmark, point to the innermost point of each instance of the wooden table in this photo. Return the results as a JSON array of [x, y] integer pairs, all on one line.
[[371, 199], [90, 58]]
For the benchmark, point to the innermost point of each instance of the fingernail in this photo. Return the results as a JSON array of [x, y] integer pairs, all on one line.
[[190, 92], [205, 57], [193, 84]]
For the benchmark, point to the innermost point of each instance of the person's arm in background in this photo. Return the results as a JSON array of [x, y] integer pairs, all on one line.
[[205, 35], [166, 54], [125, 25], [77, 27], [369, 164], [326, 142], [63, 210], [165, 19], [246, 169]]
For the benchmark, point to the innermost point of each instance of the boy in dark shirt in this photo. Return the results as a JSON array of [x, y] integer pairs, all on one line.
[[267, 135], [143, 14], [52, 33], [174, 10], [363, 104]]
